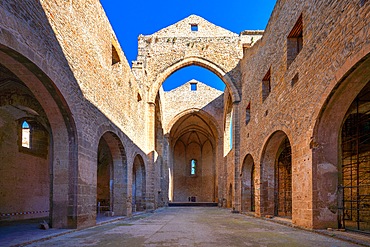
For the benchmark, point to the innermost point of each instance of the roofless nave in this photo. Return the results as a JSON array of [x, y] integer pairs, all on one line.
[[84, 135]]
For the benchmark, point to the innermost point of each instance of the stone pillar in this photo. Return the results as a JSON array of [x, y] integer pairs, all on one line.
[[150, 169], [119, 188], [236, 147], [165, 183]]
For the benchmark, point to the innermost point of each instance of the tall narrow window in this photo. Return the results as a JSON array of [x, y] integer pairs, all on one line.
[[26, 135], [295, 41], [266, 85], [231, 132], [193, 167], [248, 113]]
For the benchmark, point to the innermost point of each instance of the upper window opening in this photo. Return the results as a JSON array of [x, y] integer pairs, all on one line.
[[193, 168], [115, 57], [193, 86], [295, 79], [26, 135], [266, 85], [33, 138], [194, 27], [248, 114], [295, 40]]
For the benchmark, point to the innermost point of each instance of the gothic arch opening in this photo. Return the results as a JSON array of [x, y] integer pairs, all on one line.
[[339, 151], [193, 148], [111, 176], [201, 62], [138, 185], [247, 185], [24, 152], [228, 125], [43, 167], [355, 164], [276, 176]]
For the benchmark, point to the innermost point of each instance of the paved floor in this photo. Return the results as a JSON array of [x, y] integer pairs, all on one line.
[[192, 227]]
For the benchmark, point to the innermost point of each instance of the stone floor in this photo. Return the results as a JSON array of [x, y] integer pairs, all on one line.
[[190, 226]]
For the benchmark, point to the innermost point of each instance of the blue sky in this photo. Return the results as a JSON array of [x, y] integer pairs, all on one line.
[[132, 18]]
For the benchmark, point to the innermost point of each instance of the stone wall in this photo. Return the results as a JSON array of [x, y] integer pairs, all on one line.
[[333, 33], [63, 53], [67, 56], [182, 99]]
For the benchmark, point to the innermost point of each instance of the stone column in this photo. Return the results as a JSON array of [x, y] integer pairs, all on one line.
[[165, 183], [150, 169], [236, 147]]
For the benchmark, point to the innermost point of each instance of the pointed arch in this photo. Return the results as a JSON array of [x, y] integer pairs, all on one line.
[[199, 61], [326, 138], [62, 150], [247, 184], [112, 174]]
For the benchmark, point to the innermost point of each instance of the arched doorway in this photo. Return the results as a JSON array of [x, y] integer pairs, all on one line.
[[339, 148], [111, 176], [24, 152], [276, 177], [283, 180], [247, 184], [34, 110], [355, 164], [104, 185], [138, 185]]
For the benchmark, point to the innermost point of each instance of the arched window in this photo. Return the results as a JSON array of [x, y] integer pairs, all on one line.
[[33, 138], [26, 135], [193, 167], [231, 132]]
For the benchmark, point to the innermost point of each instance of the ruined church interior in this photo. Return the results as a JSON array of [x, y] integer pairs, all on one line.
[[86, 134]]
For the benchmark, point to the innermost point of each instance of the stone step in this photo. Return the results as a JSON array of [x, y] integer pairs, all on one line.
[[192, 204]]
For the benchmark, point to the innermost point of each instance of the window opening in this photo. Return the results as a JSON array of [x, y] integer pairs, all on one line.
[[266, 85], [248, 114], [115, 57], [194, 27], [294, 79], [26, 135], [193, 86], [295, 41], [355, 179], [231, 131], [193, 168]]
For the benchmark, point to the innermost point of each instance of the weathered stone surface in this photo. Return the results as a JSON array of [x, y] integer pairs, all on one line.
[[78, 81]]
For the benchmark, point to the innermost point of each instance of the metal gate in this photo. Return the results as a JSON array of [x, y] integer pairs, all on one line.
[[355, 174], [283, 181], [252, 189]]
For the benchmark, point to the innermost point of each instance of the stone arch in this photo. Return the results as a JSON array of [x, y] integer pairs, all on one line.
[[247, 184], [273, 148], [212, 121], [138, 184], [351, 79], [193, 137], [63, 149], [112, 162], [199, 61]]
